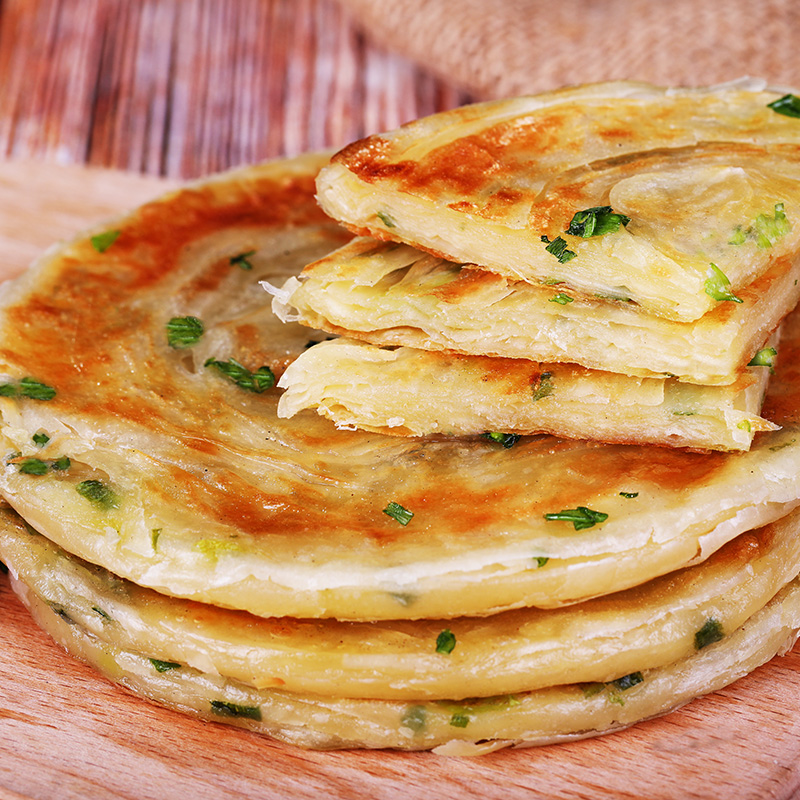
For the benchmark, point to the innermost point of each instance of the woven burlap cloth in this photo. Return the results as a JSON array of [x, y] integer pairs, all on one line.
[[496, 48]]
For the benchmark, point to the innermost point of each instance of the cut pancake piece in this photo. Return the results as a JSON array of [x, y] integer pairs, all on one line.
[[170, 467], [396, 295], [456, 727], [659, 623], [674, 199], [411, 392]]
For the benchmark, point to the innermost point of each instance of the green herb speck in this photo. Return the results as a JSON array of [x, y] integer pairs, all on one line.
[[561, 299], [788, 105], [459, 720], [259, 381], [184, 331], [398, 513], [596, 221], [765, 357], [40, 439], [717, 285], [102, 241], [581, 517], [242, 260], [224, 709], [542, 386], [505, 439], [32, 466], [164, 666], [710, 632], [98, 493], [558, 248], [414, 718], [445, 642]]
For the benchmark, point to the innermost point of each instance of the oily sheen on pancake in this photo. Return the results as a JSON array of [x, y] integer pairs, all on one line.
[[169, 466], [601, 640], [700, 184]]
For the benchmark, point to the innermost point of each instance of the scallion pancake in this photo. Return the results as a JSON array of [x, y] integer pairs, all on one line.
[[143, 444], [410, 392], [395, 295], [601, 640], [458, 727], [675, 199]]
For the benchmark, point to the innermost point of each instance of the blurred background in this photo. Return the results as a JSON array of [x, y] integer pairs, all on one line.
[[185, 87]]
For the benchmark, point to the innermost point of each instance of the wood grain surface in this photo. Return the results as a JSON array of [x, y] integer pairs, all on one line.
[[67, 733]]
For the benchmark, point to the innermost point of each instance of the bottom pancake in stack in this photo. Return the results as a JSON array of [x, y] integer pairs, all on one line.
[[342, 588]]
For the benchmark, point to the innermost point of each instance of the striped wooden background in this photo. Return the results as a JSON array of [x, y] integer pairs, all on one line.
[[186, 87]]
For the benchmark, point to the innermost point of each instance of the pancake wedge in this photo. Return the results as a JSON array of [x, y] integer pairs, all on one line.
[[458, 728], [675, 199], [600, 640], [395, 295], [411, 392], [169, 466]]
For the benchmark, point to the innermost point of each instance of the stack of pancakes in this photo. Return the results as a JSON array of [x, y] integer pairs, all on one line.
[[465, 585]]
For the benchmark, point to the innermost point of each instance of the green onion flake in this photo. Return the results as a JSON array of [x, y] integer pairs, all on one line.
[[445, 642], [596, 221], [259, 381], [98, 493], [788, 105], [102, 241], [581, 517], [242, 260], [558, 248], [184, 331], [224, 709], [717, 285], [764, 358], [398, 513]]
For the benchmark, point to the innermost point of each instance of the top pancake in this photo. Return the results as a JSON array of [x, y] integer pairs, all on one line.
[[705, 176], [185, 481]]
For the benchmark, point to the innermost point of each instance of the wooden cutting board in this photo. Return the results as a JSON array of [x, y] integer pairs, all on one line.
[[67, 733]]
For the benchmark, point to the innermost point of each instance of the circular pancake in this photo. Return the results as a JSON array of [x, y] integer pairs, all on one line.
[[599, 640], [468, 727], [185, 481]]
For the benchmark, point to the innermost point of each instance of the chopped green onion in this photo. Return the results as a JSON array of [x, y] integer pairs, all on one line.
[[710, 632], [40, 439], [505, 439], [36, 390], [629, 495], [459, 720], [103, 614], [445, 642], [765, 357], [414, 718], [32, 466], [788, 105], [102, 241], [717, 285], [596, 221], [223, 709], [386, 219], [184, 331], [242, 260], [561, 299], [542, 386], [98, 493], [581, 517], [627, 681], [61, 464], [164, 666], [745, 425], [398, 513], [259, 381], [541, 561], [558, 248]]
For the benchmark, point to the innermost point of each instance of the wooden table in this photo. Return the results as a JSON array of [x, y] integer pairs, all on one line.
[[180, 88]]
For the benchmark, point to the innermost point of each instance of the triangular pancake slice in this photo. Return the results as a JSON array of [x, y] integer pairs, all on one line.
[[674, 199], [396, 295], [411, 392]]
